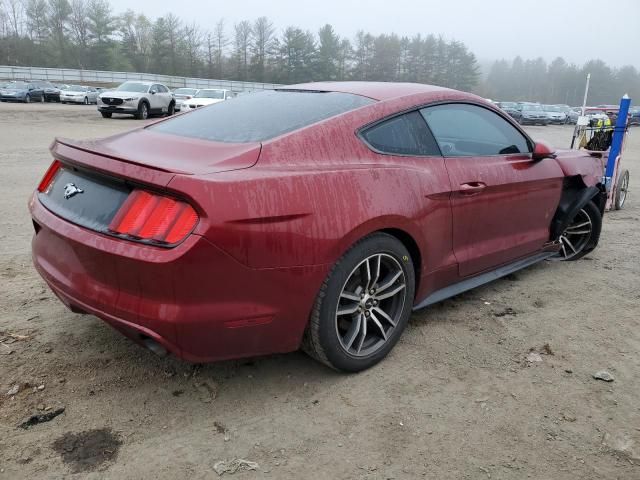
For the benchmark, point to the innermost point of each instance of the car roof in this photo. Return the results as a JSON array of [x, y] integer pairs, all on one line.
[[143, 82], [375, 90]]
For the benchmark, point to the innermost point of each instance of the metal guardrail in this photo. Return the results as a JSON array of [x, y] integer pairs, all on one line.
[[68, 75]]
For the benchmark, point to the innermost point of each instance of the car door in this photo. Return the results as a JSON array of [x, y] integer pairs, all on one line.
[[167, 96], [502, 200], [163, 97], [92, 95], [155, 98]]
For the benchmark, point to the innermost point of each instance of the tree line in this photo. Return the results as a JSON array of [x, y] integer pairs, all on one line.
[[88, 34], [560, 82]]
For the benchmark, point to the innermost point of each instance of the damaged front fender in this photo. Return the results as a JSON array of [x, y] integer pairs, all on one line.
[[579, 163]]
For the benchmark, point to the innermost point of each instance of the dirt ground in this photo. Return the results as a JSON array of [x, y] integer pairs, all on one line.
[[455, 399]]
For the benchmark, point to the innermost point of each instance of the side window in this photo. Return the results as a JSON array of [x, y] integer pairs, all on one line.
[[154, 88], [405, 134], [469, 130], [161, 89]]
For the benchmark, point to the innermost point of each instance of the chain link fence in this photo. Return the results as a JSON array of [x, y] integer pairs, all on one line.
[[70, 75]]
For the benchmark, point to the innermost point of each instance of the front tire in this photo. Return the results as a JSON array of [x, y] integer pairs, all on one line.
[[171, 109], [363, 305], [27, 98], [581, 235], [143, 111], [106, 114]]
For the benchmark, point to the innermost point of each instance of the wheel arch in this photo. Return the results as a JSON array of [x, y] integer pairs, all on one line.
[[410, 244], [395, 226], [575, 195]]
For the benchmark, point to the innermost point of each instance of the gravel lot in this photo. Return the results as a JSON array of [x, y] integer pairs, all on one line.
[[455, 399]]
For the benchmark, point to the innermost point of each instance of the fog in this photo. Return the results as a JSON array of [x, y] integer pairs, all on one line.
[[577, 30]]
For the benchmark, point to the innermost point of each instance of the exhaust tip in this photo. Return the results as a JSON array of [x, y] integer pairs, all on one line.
[[155, 347]]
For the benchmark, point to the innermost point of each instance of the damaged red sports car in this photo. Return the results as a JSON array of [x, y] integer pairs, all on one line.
[[317, 215]]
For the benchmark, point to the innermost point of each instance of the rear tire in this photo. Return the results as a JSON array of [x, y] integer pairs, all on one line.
[[622, 186], [106, 114], [581, 235], [375, 307], [171, 109]]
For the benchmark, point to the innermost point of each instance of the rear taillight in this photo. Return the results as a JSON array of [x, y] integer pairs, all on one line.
[[49, 176], [155, 218]]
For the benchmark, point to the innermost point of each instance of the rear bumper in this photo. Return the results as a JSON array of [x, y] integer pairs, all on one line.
[[195, 300]]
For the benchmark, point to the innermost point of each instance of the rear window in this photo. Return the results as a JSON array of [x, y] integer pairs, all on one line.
[[261, 116]]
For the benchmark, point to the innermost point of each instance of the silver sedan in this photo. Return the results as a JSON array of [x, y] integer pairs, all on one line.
[[79, 94]]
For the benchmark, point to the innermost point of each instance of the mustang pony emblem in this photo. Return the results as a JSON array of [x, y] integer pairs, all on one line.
[[70, 190]]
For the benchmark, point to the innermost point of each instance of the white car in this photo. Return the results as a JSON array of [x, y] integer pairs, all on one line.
[[206, 96], [79, 94], [182, 94], [139, 99]]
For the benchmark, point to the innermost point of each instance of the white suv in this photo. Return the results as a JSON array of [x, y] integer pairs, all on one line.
[[139, 99]]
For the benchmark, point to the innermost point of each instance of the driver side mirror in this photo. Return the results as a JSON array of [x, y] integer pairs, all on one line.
[[542, 150]]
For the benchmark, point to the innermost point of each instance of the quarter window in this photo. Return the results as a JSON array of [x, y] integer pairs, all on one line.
[[469, 130], [405, 134]]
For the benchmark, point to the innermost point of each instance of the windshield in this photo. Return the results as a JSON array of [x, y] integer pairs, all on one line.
[[17, 85], [261, 116], [532, 108], [218, 94], [77, 88], [508, 104], [551, 108], [186, 91], [133, 87]]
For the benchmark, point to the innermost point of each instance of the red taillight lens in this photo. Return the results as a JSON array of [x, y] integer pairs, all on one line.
[[49, 176], [147, 216]]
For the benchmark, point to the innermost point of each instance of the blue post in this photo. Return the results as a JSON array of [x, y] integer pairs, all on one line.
[[616, 142]]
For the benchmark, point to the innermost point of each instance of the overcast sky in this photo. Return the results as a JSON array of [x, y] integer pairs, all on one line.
[[492, 29]]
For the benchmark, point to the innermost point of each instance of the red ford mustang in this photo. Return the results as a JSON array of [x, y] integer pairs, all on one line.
[[317, 215]]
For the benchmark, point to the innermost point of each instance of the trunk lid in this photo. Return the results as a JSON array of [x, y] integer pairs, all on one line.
[[172, 153]]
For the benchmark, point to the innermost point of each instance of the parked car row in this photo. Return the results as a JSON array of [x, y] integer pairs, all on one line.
[[530, 113], [142, 99], [44, 91], [138, 98]]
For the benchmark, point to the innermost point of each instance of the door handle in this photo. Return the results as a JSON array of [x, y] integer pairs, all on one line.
[[472, 188]]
